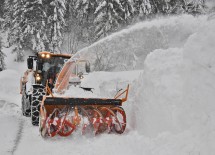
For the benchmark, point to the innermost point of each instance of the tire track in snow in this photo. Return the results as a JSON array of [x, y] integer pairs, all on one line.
[[6, 106], [18, 136]]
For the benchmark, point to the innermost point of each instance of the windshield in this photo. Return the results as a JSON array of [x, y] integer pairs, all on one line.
[[51, 67]]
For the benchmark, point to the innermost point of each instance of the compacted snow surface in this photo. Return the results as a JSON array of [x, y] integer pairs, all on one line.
[[170, 108]]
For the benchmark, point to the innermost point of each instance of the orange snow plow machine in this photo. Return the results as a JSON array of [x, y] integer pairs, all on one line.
[[62, 116]]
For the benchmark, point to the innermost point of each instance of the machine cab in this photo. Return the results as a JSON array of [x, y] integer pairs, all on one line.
[[48, 66]]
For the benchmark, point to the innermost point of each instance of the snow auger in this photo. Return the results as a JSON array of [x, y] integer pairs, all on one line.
[[62, 115]]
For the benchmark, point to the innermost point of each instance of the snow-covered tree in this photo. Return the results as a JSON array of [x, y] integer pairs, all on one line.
[[56, 23], [9, 8], [177, 6], [42, 24], [86, 8], [142, 8], [128, 10], [19, 54], [15, 22], [2, 8], [161, 6], [85, 13], [28, 26], [79, 18], [108, 17], [2, 56], [35, 24], [195, 6], [71, 11], [72, 28]]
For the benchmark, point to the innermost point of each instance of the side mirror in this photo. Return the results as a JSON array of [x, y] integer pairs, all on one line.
[[87, 67], [30, 62]]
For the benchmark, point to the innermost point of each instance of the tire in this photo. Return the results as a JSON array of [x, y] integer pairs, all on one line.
[[26, 110], [37, 96]]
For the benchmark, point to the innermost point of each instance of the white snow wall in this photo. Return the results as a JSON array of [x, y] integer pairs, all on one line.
[[127, 49], [176, 93]]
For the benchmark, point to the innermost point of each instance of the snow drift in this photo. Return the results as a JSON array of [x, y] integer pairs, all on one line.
[[176, 94]]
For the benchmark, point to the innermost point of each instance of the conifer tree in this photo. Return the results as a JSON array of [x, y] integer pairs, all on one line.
[[72, 27], [2, 8], [142, 8], [108, 17], [56, 23], [86, 8], [85, 13], [41, 24], [28, 26], [8, 14], [128, 10], [195, 6], [2, 56], [35, 24], [15, 21], [160, 6]]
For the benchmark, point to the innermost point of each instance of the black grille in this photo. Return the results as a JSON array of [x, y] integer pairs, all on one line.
[[81, 101]]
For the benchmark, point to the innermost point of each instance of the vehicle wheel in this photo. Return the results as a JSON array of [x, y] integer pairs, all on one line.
[[37, 96], [26, 110]]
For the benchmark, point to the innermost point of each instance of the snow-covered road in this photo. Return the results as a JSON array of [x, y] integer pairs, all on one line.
[[11, 127]]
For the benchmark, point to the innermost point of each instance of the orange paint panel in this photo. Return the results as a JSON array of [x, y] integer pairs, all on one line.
[[63, 78]]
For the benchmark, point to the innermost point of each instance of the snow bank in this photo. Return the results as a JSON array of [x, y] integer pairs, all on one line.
[[10, 78], [127, 49], [161, 87], [10, 88], [175, 98]]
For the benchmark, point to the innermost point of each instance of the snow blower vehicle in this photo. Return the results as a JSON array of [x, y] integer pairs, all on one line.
[[43, 69], [62, 115]]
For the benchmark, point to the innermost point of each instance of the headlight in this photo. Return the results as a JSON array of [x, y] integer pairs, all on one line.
[[38, 78], [48, 56], [43, 55]]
